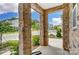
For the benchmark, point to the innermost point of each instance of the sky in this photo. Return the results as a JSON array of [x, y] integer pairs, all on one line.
[[9, 10], [53, 18], [35, 15]]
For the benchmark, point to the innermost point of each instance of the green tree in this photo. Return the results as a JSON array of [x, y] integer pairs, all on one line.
[[35, 25], [6, 27]]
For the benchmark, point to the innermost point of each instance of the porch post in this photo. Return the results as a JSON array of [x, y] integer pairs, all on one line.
[[41, 30], [44, 29], [66, 19], [25, 28]]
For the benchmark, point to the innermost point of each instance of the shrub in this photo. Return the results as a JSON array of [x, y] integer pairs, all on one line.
[[35, 40], [14, 50], [3, 45], [12, 42], [58, 34], [13, 45], [35, 25], [58, 31]]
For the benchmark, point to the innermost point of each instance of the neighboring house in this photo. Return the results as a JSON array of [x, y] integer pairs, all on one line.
[[14, 22]]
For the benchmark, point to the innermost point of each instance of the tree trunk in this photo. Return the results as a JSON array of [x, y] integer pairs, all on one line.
[[0, 38]]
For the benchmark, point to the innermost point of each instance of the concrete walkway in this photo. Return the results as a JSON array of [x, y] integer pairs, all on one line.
[[6, 53], [49, 50], [56, 42]]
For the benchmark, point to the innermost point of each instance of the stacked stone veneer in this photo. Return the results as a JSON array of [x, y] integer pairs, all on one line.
[[74, 38], [25, 28]]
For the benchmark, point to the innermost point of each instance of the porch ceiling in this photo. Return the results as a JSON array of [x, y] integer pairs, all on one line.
[[49, 5]]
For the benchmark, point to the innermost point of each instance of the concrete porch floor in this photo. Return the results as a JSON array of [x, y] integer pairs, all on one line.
[[49, 50]]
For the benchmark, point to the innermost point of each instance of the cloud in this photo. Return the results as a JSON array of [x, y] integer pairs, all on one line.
[[57, 21], [8, 7]]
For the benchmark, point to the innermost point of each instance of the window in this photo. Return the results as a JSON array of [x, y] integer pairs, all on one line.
[[74, 17]]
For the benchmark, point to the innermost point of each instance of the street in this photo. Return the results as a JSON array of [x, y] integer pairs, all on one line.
[[15, 36], [11, 36]]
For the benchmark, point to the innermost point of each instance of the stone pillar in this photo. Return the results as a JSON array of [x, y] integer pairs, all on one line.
[[41, 30], [66, 19], [25, 28], [44, 29]]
